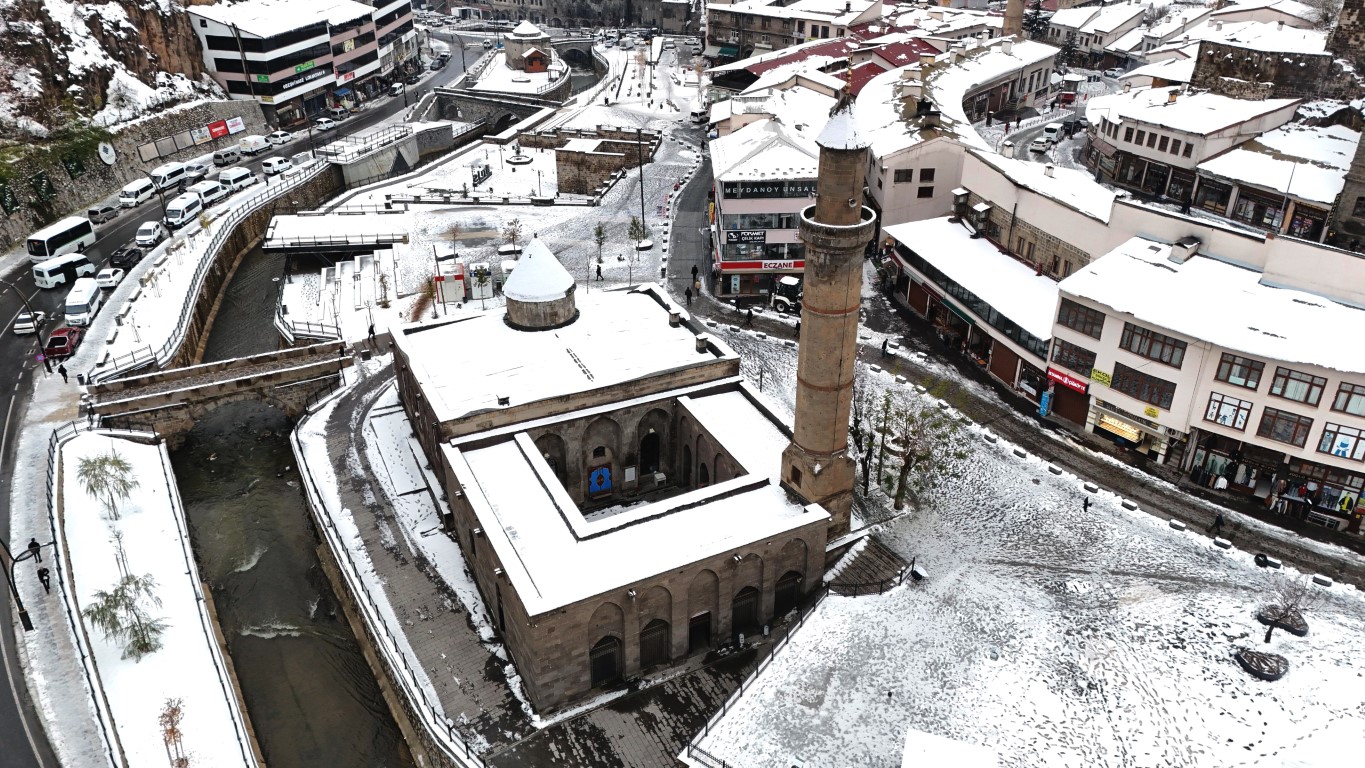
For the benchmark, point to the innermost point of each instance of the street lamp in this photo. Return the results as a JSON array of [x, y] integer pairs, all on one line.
[[159, 194], [33, 315], [31, 553]]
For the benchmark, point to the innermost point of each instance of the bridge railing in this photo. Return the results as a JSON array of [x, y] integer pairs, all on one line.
[[292, 330], [117, 365], [350, 148]]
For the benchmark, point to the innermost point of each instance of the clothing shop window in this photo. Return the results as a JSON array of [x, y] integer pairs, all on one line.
[[1284, 427], [1228, 411], [1342, 442]]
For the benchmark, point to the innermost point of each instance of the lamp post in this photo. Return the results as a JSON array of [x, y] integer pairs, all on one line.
[[640, 161], [160, 195], [28, 554]]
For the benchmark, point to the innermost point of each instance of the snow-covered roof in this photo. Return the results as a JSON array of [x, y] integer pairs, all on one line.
[[841, 130], [539, 276], [766, 149], [839, 12], [540, 535], [1255, 35], [1286, 7], [1093, 20], [1201, 113], [268, 18], [1170, 70], [526, 29], [1013, 288], [301, 231], [1070, 187], [1222, 304], [618, 337], [813, 54], [1307, 162], [949, 85], [930, 749]]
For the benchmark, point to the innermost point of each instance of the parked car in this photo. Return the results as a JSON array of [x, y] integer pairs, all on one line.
[[413, 79], [436, 64], [150, 233], [126, 257], [29, 323], [338, 113], [196, 171], [227, 156], [274, 165], [669, 44], [237, 178], [109, 278], [63, 342], [1114, 72], [487, 44], [280, 137], [324, 124], [102, 213], [1053, 132], [1040, 144]]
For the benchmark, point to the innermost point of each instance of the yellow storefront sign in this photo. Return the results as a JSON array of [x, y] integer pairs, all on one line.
[[1121, 428], [1100, 376], [1151, 412]]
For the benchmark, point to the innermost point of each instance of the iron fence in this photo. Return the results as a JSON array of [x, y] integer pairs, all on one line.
[[120, 364], [869, 587]]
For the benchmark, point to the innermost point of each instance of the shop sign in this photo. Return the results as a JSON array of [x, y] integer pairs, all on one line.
[[1100, 376], [262, 78], [757, 266], [218, 130], [266, 99], [201, 135], [966, 318], [1151, 412], [346, 77], [733, 236], [779, 265], [236, 125], [349, 45], [1045, 404], [1121, 428], [299, 80], [1067, 380], [304, 67], [736, 190]]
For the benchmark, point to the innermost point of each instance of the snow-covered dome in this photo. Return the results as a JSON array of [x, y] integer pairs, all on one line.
[[527, 29], [540, 291]]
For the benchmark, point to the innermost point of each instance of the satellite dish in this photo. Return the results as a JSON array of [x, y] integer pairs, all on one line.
[[107, 153]]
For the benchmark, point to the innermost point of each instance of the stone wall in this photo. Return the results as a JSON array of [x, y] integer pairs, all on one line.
[[1030, 242], [1244, 73], [99, 181]]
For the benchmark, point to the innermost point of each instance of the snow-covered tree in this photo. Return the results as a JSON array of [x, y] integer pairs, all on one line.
[[1289, 599], [637, 231], [1036, 21], [108, 477], [122, 612], [511, 231]]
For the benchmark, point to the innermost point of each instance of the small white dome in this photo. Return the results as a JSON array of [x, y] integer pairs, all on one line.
[[527, 29], [539, 276]]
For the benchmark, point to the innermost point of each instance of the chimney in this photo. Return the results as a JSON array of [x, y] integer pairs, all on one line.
[[923, 107], [1184, 249], [1007, 46], [1050, 170], [1007, 149], [1014, 19], [1218, 26], [1171, 97], [1280, 28], [1127, 85], [703, 342]]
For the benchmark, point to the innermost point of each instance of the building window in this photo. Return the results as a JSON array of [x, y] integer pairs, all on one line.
[[1213, 196], [203, 24], [904, 175], [1153, 345], [1228, 411], [1141, 137], [1189, 149], [1350, 399], [1079, 318], [1128, 134], [924, 192], [1242, 371], [1151, 140], [1161, 147], [926, 175], [1068, 355], [1142, 386], [1284, 427], [1295, 385], [1342, 442], [1175, 146]]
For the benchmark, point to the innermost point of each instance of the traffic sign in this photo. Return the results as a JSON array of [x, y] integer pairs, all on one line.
[[40, 357]]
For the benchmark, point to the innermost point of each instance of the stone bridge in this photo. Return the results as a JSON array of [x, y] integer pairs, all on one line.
[[170, 402]]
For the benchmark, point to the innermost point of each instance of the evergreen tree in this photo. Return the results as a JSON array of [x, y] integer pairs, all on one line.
[[1036, 21]]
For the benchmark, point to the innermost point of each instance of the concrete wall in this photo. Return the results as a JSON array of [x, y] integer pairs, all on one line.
[[107, 390], [398, 157], [99, 181]]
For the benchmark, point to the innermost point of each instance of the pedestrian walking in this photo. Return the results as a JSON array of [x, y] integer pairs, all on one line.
[[45, 578], [694, 273], [62, 370], [599, 273], [1085, 503], [35, 549], [884, 344], [688, 294], [371, 333], [749, 318], [1217, 527], [798, 330]]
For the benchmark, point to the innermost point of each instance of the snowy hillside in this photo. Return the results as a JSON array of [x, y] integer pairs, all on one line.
[[108, 61]]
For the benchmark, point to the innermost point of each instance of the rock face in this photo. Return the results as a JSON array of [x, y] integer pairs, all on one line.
[[111, 62]]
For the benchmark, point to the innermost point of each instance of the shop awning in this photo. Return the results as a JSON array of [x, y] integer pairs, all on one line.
[[341, 91], [1121, 428], [711, 52], [1102, 146], [729, 50], [960, 313]]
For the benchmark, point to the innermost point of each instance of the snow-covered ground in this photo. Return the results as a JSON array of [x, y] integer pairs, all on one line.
[[189, 666], [1056, 635]]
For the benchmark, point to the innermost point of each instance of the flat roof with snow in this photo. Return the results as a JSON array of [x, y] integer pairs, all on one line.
[[1304, 161], [268, 18], [1013, 288], [1072, 188], [540, 535], [336, 230], [1201, 113], [766, 149], [463, 366], [1222, 304]]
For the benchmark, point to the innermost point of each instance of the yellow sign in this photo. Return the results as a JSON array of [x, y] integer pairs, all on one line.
[[1100, 376], [347, 46], [1151, 412], [1121, 428]]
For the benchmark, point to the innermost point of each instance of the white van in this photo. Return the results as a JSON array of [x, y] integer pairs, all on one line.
[[182, 210], [227, 156], [209, 192], [63, 269], [83, 301], [254, 144], [237, 178], [136, 193], [1053, 132], [168, 175], [276, 165]]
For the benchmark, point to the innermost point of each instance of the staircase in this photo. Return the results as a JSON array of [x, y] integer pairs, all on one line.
[[871, 571]]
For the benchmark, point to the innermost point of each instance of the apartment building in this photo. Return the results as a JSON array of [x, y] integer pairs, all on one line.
[[1093, 28], [739, 30]]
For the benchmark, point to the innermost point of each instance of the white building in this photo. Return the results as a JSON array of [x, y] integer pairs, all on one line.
[[1093, 28], [742, 29], [1185, 354]]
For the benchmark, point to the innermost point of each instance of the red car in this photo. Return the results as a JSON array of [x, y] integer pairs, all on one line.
[[62, 343]]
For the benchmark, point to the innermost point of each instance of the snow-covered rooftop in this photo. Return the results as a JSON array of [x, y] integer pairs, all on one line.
[[1070, 187], [1307, 13], [267, 18], [1307, 162], [540, 535], [1171, 70], [1090, 19], [1013, 288], [465, 364], [929, 749], [841, 130], [1258, 36], [539, 276], [299, 231], [767, 149], [1222, 304], [1201, 113], [500, 77], [526, 29]]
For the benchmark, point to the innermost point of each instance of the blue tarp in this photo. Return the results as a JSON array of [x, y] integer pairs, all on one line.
[[341, 91]]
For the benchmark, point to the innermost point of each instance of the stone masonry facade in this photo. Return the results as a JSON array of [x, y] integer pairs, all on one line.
[[1243, 73], [1032, 243]]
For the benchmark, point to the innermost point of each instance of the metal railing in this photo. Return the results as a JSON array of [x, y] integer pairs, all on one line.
[[294, 329], [476, 69], [306, 241], [431, 718], [64, 587], [706, 758], [118, 365], [359, 146], [869, 587]]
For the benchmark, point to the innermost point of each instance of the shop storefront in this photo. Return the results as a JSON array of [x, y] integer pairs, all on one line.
[[1144, 437], [1258, 209], [1307, 222], [1070, 398], [1332, 495], [753, 277], [1225, 463]]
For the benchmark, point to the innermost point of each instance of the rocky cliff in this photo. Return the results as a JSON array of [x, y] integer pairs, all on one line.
[[109, 62]]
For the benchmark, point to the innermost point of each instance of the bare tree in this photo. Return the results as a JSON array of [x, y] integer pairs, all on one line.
[[108, 477], [511, 231], [121, 613], [926, 439], [1290, 598], [1325, 13], [171, 736]]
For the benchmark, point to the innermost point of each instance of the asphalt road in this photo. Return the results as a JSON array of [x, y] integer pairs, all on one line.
[[23, 744]]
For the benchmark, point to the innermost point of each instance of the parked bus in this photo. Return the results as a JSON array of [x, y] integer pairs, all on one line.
[[63, 269], [73, 233]]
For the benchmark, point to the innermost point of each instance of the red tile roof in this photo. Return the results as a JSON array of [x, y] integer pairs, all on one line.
[[861, 74]]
